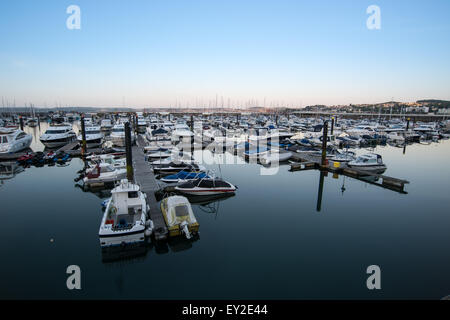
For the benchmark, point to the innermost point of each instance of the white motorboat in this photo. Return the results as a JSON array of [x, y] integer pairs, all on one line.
[[124, 220], [13, 140], [58, 135], [32, 122], [368, 162], [118, 135], [106, 125], [94, 137], [110, 159], [141, 124], [396, 136], [206, 186], [275, 156], [104, 173]]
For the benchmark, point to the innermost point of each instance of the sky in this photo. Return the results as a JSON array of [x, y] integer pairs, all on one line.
[[167, 53]]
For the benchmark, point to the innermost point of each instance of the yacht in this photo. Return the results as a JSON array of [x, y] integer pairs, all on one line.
[[32, 122], [106, 125], [13, 140], [118, 135], [368, 162], [58, 135], [179, 217], [124, 220], [94, 137], [141, 124]]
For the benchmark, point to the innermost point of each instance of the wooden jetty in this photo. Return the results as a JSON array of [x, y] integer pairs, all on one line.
[[307, 161], [145, 178]]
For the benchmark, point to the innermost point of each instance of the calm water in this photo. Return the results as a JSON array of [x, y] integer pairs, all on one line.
[[267, 242]]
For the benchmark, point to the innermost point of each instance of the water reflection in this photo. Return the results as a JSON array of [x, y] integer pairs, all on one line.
[[320, 191], [210, 204], [129, 253], [9, 170]]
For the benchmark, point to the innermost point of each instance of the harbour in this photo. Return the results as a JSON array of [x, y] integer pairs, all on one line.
[[224, 159], [323, 204]]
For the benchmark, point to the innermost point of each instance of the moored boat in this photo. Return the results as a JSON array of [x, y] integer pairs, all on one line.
[[124, 220], [179, 217]]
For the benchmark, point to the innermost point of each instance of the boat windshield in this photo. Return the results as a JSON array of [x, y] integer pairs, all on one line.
[[181, 211], [3, 139], [118, 130], [55, 131]]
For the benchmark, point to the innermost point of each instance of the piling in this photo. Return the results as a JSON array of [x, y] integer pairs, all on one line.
[[192, 123], [332, 125], [407, 124], [21, 122], [83, 137], [324, 143], [128, 151]]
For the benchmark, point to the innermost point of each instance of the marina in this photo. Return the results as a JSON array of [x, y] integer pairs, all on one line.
[[228, 194]]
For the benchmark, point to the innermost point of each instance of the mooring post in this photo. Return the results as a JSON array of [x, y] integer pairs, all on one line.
[[324, 143], [192, 123], [128, 152], [407, 124], [21, 122], [332, 125], [83, 137]]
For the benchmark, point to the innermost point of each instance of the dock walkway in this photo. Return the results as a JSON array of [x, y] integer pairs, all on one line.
[[308, 161], [145, 178]]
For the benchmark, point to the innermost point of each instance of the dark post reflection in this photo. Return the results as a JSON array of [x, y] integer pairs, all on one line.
[[319, 196]]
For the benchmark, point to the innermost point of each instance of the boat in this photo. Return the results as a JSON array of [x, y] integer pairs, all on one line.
[[206, 186], [175, 166], [141, 124], [179, 217], [94, 137], [124, 220], [368, 162], [118, 135], [342, 156], [275, 156], [104, 173], [13, 140], [32, 122], [58, 135], [184, 176], [106, 125], [159, 154], [116, 161]]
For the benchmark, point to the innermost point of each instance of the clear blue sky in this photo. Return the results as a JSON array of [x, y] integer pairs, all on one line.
[[157, 53]]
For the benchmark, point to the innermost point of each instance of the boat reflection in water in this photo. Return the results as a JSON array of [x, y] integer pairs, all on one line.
[[210, 204], [128, 252], [9, 170]]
